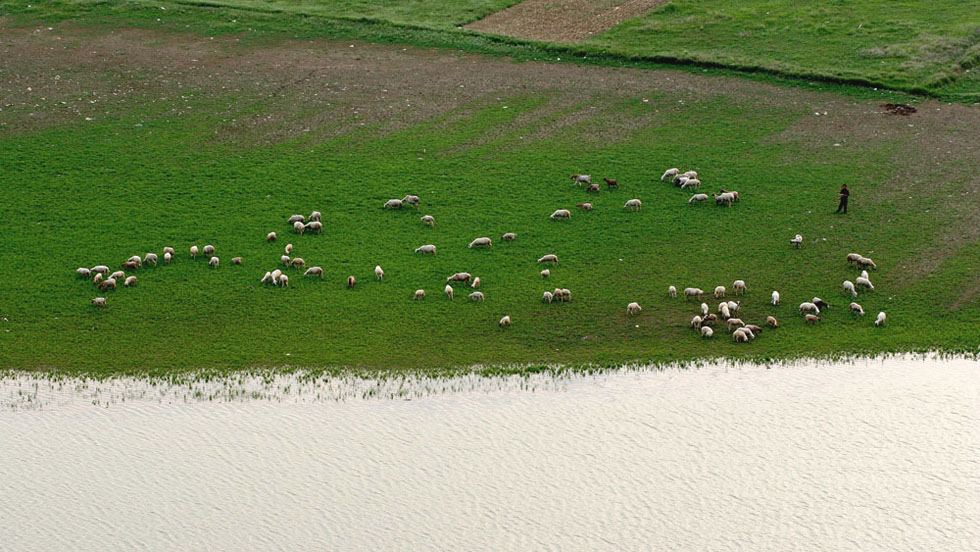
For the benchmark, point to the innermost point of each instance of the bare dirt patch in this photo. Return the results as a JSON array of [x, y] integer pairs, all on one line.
[[562, 20]]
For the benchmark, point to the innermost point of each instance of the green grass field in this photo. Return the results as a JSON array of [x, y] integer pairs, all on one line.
[[185, 140]]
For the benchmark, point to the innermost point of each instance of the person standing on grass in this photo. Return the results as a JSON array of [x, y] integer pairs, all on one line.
[[844, 193]]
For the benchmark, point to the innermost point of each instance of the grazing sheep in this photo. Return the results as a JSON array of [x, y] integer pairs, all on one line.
[[633, 309], [426, 249], [691, 174], [194, 251], [797, 241], [709, 319], [429, 220], [753, 328], [561, 213], [393, 204], [679, 180], [724, 311], [299, 227], [316, 215], [707, 332], [411, 200], [806, 306], [171, 250], [236, 260], [582, 179], [297, 262], [150, 258], [696, 322], [213, 262], [865, 262], [208, 250], [704, 309], [83, 272], [733, 192], [378, 272], [296, 218], [820, 303], [267, 278], [566, 296], [545, 273], [481, 242], [350, 282], [719, 292], [108, 283], [725, 198], [449, 292], [135, 259], [283, 280], [97, 279], [775, 298], [559, 294], [740, 336], [811, 319], [698, 198], [548, 297], [771, 321], [476, 296], [633, 205], [476, 282], [505, 321], [459, 277], [130, 281], [734, 323], [738, 287], [284, 259], [103, 269], [270, 237], [276, 276], [419, 294], [167, 257], [314, 226], [671, 291], [734, 306], [864, 274], [747, 331], [592, 188], [118, 274], [849, 288], [670, 173], [691, 183], [509, 236], [611, 183], [857, 309], [130, 265], [853, 257], [864, 282], [549, 259], [693, 292], [314, 271], [98, 301], [880, 321], [584, 206]]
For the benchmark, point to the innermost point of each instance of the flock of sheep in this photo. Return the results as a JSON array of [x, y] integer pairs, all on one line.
[[727, 311]]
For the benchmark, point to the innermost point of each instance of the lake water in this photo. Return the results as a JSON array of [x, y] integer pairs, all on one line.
[[870, 455]]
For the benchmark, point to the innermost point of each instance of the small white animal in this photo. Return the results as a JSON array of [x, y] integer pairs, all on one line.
[[797, 241], [428, 220], [549, 259], [213, 262], [194, 251], [98, 301], [378, 272], [449, 291], [547, 297], [481, 242], [427, 249], [707, 332], [633, 308], [880, 321], [476, 296], [476, 282], [671, 291], [633, 205], [775, 298], [561, 213], [698, 198], [505, 321], [849, 288], [419, 294], [857, 309], [545, 273], [669, 173]]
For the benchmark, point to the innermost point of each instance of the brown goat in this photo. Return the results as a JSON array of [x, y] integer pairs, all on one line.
[[611, 182]]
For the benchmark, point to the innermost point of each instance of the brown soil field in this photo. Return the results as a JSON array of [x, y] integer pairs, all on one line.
[[562, 20]]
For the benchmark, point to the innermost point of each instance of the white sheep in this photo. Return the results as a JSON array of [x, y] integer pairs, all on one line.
[[103, 269], [418, 295], [698, 198], [314, 271], [545, 273], [853, 257], [284, 259], [691, 174], [459, 277], [167, 257], [289, 248], [428, 220], [807, 306], [582, 179], [208, 250], [393, 204], [476, 296], [740, 336], [266, 278], [316, 215], [633, 309], [864, 262], [880, 321], [172, 252], [194, 251], [696, 322], [449, 292], [811, 319], [771, 321], [670, 173], [548, 297], [738, 287], [671, 291], [135, 259], [566, 295], [864, 274], [797, 241], [551, 258], [693, 292], [283, 280], [505, 321], [704, 309], [561, 213], [775, 298], [98, 301], [378, 272], [296, 218], [719, 292], [857, 309], [314, 226], [297, 262], [276, 275], [97, 279], [130, 281], [864, 282], [108, 283], [692, 183], [633, 205], [426, 249], [726, 198], [849, 288], [411, 200], [481, 242], [270, 237], [150, 258], [83, 272], [476, 282], [509, 236], [299, 227], [213, 261], [734, 306], [820, 303], [118, 274], [724, 311], [707, 332]]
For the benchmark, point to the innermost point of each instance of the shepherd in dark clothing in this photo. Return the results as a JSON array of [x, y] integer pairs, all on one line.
[[843, 199]]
